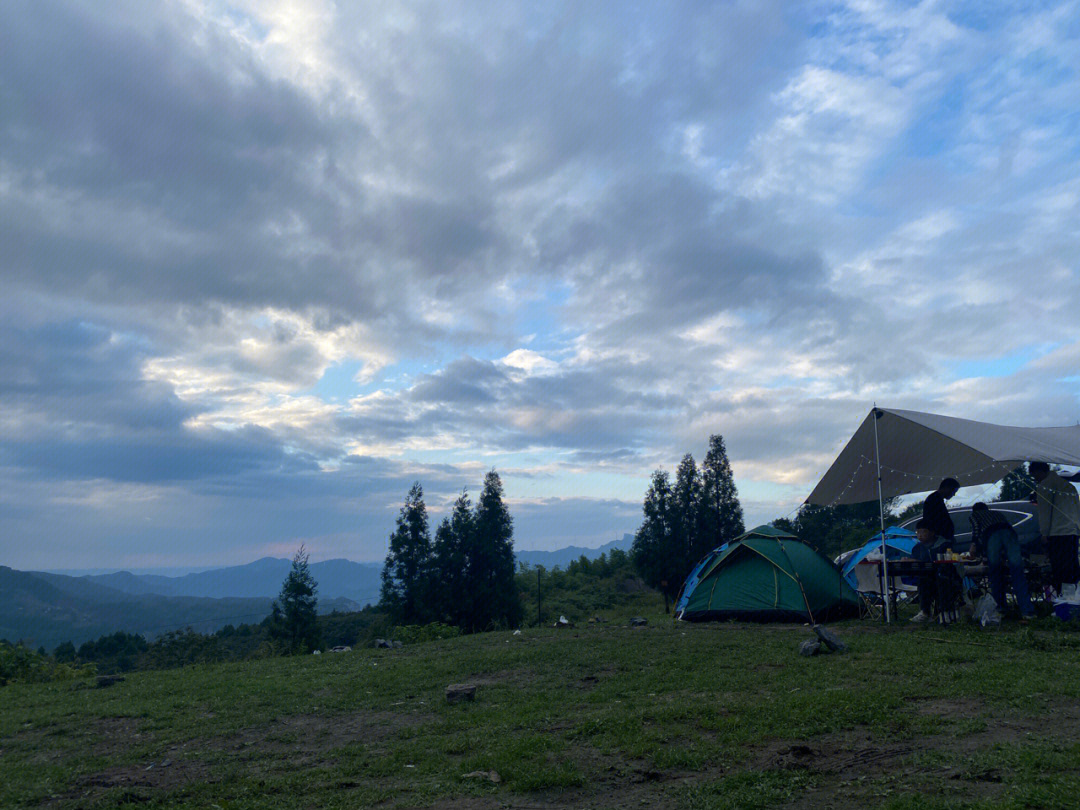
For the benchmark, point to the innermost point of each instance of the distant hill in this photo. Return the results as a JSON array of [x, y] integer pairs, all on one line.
[[340, 578], [49, 609], [561, 557], [357, 582]]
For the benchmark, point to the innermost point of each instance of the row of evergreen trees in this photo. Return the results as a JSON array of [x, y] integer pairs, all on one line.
[[465, 577], [685, 519]]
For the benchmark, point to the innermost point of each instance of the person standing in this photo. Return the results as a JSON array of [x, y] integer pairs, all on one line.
[[936, 513], [994, 537], [1059, 523]]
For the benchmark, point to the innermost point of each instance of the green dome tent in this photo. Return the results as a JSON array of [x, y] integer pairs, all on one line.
[[768, 575]]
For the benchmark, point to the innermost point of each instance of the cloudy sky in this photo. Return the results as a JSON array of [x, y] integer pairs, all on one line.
[[263, 265]]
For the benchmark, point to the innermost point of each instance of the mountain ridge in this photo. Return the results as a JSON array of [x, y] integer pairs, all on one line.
[[337, 578], [48, 608]]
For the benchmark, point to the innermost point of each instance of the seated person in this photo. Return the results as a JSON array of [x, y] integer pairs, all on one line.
[[993, 537], [924, 551], [944, 585]]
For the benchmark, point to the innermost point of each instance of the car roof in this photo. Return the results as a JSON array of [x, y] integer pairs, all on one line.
[[1025, 508]]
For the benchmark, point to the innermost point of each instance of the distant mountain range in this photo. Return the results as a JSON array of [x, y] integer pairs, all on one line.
[[337, 579], [562, 556], [48, 609]]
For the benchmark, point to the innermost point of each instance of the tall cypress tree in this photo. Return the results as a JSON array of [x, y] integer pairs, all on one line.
[[722, 515], [653, 551], [492, 587], [687, 518], [453, 540], [406, 572]]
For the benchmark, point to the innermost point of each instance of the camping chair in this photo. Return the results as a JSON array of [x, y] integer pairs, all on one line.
[[868, 584]]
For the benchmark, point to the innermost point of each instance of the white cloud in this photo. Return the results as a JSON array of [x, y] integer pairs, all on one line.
[[829, 129], [529, 361]]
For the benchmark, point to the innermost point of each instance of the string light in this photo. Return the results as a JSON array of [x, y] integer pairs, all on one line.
[[932, 476]]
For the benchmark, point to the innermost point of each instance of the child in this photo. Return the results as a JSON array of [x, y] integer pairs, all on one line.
[[924, 552]]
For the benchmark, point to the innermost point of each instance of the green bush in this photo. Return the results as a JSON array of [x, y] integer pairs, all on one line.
[[607, 585], [19, 664], [415, 633]]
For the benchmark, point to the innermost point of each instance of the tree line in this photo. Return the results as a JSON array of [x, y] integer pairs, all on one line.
[[465, 576]]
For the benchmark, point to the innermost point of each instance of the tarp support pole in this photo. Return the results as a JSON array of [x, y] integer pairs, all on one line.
[[881, 510]]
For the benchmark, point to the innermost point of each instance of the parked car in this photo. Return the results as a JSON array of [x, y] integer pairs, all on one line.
[[1023, 515]]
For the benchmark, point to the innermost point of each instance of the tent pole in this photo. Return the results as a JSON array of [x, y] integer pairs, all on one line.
[[881, 510]]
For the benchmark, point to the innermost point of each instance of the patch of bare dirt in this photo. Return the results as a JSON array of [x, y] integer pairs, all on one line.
[[506, 676], [948, 707], [113, 734], [309, 734], [305, 738], [847, 756], [162, 774]]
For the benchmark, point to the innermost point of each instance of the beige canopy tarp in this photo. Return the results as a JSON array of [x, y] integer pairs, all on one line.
[[917, 450]]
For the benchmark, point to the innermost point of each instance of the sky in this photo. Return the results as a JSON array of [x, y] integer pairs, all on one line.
[[263, 265]]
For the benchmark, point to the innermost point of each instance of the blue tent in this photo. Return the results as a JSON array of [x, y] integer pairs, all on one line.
[[898, 543]]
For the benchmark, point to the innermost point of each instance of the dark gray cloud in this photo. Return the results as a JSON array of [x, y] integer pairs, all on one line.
[[75, 374], [196, 176], [79, 408]]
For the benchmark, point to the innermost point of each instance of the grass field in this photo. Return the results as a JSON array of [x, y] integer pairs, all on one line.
[[670, 715]]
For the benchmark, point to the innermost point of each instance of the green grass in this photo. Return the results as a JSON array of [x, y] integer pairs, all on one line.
[[679, 716]]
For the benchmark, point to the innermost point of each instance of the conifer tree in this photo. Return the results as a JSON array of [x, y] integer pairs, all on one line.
[[490, 567], [687, 524], [295, 621], [449, 570], [405, 576], [653, 549], [722, 515]]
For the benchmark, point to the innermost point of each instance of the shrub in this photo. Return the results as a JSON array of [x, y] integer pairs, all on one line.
[[415, 633], [18, 664]]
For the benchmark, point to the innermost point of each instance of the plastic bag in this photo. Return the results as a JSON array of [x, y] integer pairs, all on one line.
[[986, 611]]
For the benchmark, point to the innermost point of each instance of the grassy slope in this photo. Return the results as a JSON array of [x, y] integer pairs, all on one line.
[[698, 716]]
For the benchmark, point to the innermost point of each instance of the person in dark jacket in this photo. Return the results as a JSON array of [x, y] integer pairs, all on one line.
[[936, 513], [993, 537]]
